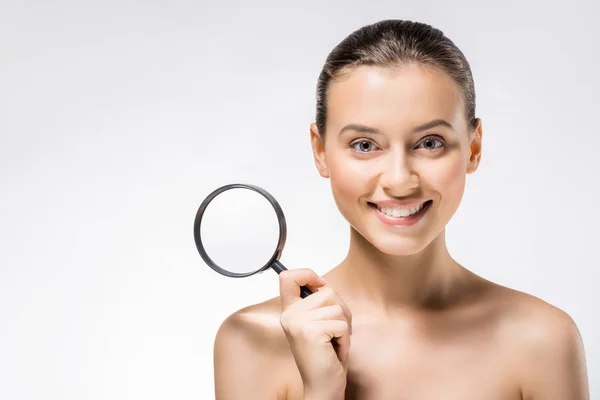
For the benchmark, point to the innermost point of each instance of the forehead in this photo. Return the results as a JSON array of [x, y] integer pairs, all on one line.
[[394, 98]]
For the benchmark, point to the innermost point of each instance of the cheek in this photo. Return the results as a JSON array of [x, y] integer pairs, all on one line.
[[346, 176], [450, 180], [349, 181]]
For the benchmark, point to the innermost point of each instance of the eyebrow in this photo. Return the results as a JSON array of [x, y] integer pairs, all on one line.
[[420, 128]]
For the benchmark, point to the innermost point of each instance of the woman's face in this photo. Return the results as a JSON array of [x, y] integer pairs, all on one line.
[[383, 157]]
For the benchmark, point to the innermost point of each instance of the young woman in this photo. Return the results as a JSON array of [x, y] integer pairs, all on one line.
[[398, 318]]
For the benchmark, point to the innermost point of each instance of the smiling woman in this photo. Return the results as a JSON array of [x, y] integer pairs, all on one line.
[[396, 135]]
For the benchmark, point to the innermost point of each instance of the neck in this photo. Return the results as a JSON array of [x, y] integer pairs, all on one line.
[[379, 282]]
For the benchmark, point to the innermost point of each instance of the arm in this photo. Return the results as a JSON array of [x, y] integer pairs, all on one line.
[[555, 361], [243, 366]]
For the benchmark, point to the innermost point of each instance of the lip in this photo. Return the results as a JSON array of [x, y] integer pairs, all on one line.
[[398, 203], [401, 221]]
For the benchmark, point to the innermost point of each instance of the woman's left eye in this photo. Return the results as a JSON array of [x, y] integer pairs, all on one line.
[[430, 143]]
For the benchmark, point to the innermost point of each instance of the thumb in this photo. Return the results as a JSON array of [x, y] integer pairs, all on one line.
[[291, 280]]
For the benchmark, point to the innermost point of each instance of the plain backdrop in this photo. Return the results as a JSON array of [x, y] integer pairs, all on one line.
[[118, 117]]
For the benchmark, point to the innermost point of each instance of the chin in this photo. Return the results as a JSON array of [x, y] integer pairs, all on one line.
[[400, 246], [393, 244]]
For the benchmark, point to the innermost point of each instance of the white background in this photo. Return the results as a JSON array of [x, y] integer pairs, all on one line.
[[118, 117]]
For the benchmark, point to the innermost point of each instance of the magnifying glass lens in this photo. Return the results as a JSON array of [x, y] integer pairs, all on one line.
[[240, 230]]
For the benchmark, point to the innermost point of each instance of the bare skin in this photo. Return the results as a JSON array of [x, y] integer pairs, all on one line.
[[501, 344], [423, 326]]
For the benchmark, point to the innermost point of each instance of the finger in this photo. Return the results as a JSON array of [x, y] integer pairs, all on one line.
[[342, 303], [290, 282], [332, 312], [325, 296], [338, 330]]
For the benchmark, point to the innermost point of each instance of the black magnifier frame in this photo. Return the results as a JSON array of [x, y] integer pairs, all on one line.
[[273, 261]]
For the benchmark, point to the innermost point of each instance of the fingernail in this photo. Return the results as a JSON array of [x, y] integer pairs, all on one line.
[[323, 279]]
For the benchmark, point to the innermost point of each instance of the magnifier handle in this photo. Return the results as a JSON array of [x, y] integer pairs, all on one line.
[[304, 291], [279, 267]]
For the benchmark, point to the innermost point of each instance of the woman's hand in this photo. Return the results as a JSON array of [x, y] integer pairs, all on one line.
[[310, 324]]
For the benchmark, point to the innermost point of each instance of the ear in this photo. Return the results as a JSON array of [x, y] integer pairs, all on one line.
[[475, 148], [318, 148]]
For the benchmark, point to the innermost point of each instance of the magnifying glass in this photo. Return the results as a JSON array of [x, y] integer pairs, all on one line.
[[243, 229]]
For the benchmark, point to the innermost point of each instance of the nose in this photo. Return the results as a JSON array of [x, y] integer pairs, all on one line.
[[398, 177]]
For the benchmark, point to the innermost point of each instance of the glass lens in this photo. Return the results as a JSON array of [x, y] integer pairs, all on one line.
[[240, 230]]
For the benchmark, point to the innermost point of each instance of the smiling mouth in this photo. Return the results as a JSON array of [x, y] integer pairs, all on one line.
[[401, 218], [401, 212]]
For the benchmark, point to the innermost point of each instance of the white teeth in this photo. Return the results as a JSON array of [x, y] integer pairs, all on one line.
[[401, 212]]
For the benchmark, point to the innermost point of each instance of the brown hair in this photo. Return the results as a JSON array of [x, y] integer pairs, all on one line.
[[391, 43]]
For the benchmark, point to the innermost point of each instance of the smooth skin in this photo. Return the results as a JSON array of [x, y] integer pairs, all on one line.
[[409, 320]]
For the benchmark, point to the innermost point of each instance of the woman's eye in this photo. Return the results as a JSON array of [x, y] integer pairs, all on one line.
[[363, 146], [429, 143]]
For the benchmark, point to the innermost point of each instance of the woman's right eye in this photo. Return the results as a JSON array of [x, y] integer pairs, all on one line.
[[363, 146]]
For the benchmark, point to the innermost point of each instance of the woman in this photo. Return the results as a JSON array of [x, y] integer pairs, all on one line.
[[398, 318]]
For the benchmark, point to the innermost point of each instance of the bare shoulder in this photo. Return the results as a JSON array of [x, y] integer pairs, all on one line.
[[257, 324], [534, 318], [545, 345], [248, 346]]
